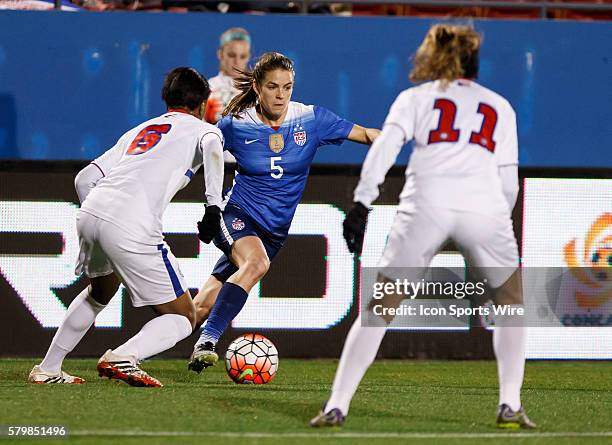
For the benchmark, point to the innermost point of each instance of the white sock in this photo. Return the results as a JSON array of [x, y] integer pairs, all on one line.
[[156, 336], [359, 352], [80, 316], [509, 339]]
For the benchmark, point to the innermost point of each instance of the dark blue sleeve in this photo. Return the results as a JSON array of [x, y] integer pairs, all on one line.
[[225, 125], [331, 128]]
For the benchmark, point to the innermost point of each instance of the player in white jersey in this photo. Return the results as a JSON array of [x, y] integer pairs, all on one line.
[[462, 184], [124, 194], [234, 53]]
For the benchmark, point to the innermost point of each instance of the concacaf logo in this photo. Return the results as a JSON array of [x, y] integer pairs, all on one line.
[[592, 265]]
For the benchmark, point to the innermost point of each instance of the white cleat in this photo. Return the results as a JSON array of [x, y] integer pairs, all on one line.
[[40, 377]]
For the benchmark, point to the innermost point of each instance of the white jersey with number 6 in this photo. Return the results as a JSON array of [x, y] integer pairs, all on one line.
[[148, 166]]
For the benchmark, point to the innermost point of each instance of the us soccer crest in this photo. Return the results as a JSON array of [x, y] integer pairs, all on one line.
[[238, 224], [299, 135]]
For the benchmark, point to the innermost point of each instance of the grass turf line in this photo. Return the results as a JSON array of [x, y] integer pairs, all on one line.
[[398, 397]]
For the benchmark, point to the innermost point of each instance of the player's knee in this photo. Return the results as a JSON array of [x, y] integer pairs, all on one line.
[[510, 292], [187, 308], [257, 266], [102, 294]]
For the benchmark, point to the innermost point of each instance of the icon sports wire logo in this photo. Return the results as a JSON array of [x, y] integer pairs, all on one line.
[[592, 266]]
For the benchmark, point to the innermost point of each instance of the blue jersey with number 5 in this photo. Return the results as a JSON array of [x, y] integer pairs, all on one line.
[[273, 164]]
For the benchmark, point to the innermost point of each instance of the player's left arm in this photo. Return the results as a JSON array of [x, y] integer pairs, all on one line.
[[510, 183], [212, 150], [363, 135], [506, 155]]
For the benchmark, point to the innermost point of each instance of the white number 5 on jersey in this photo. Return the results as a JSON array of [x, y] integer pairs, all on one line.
[[276, 168]]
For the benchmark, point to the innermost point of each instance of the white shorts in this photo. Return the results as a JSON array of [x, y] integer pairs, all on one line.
[[486, 241], [149, 272]]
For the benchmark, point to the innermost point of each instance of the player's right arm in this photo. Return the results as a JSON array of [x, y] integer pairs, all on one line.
[[397, 130], [88, 177]]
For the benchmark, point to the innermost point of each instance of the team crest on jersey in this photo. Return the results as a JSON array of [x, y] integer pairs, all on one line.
[[237, 224], [299, 135]]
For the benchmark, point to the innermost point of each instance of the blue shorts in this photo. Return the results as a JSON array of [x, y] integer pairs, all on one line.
[[236, 224]]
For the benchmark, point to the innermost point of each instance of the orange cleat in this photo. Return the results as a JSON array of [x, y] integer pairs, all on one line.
[[125, 368]]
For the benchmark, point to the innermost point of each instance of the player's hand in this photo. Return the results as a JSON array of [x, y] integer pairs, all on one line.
[[210, 225], [354, 227]]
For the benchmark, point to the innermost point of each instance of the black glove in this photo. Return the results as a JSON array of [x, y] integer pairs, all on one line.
[[354, 227], [210, 225]]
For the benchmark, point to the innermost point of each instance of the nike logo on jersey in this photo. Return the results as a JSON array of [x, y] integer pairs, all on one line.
[[247, 142]]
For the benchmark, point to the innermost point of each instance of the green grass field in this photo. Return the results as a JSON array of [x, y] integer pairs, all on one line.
[[432, 402]]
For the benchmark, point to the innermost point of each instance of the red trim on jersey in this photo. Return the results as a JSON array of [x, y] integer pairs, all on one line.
[[275, 127]]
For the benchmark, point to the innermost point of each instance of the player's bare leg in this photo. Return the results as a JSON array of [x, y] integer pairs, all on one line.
[[205, 299], [360, 348], [509, 339], [80, 316], [176, 321], [250, 256]]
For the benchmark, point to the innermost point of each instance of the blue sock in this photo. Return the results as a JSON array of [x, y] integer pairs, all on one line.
[[230, 301]]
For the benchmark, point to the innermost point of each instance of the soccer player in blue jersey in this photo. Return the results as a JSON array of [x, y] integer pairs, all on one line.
[[274, 141]]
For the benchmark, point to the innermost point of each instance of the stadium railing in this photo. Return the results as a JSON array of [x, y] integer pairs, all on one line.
[[527, 9]]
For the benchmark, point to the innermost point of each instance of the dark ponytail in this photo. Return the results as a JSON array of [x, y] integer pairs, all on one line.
[[244, 82]]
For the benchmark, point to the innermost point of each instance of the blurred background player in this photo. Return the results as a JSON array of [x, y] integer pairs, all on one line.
[[274, 141], [461, 183], [124, 193], [234, 53]]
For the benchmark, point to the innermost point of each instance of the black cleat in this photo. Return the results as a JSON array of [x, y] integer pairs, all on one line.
[[203, 356], [509, 419]]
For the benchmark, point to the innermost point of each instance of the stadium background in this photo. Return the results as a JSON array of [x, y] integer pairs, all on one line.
[[88, 77]]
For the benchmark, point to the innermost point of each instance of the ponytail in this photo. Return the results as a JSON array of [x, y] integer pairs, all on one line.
[[448, 52], [247, 96]]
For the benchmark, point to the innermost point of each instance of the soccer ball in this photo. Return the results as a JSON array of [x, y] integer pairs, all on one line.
[[251, 358]]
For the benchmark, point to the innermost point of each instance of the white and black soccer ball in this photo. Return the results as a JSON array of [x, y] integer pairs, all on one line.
[[251, 358]]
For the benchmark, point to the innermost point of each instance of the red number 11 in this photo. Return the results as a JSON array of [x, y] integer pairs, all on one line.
[[446, 133]]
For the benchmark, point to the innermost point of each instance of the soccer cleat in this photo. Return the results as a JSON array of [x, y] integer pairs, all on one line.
[[333, 417], [203, 356], [509, 419], [125, 368], [40, 377]]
